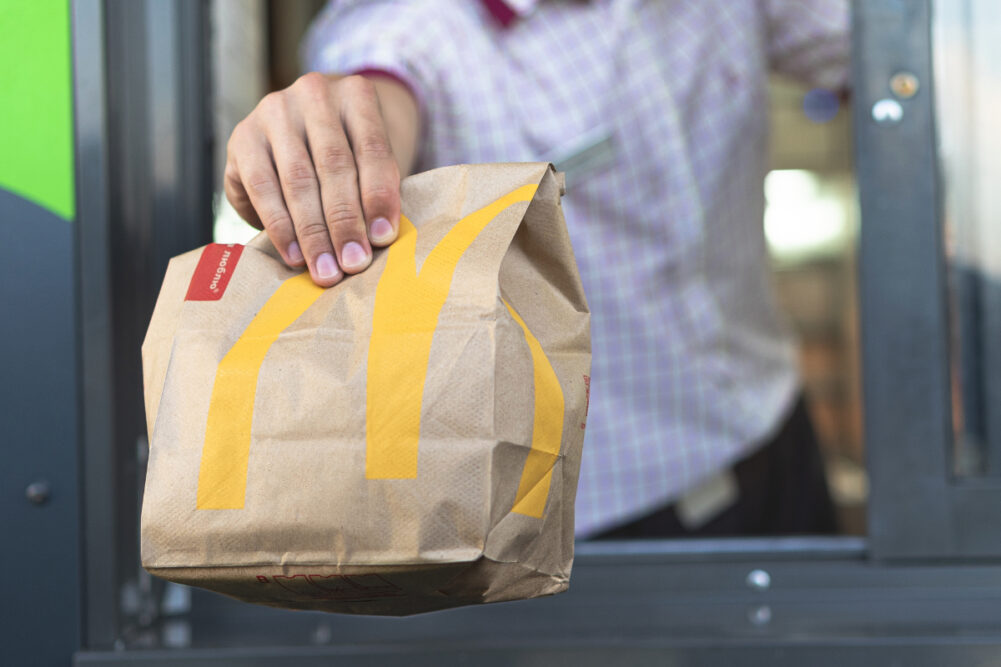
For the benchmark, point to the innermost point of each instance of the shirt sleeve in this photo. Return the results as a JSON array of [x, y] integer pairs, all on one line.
[[388, 37], [405, 40], [810, 40]]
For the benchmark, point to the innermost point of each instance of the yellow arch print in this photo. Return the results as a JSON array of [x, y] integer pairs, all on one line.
[[407, 305], [406, 311]]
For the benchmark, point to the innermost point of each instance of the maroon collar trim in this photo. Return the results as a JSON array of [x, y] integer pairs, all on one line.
[[502, 12]]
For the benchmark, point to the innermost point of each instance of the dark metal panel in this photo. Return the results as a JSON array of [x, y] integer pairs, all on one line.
[[179, 97], [918, 507], [145, 195], [100, 586], [131, 202], [653, 605], [916, 653], [38, 416], [647, 598], [967, 305], [903, 298], [989, 308], [975, 506], [725, 549]]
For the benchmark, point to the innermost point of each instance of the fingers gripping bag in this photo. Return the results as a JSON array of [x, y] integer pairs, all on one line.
[[405, 441]]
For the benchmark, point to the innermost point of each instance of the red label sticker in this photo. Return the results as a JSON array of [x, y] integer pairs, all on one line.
[[215, 267]]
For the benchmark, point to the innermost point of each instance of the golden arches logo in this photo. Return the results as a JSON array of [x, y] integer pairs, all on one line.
[[405, 316]]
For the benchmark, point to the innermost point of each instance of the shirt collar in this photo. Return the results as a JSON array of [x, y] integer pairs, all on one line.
[[506, 12]]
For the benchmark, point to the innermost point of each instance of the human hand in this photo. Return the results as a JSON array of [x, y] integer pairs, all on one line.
[[313, 165]]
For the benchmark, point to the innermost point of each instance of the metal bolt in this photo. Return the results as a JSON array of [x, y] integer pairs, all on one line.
[[759, 580], [322, 635], [38, 492], [760, 616], [887, 112], [904, 85]]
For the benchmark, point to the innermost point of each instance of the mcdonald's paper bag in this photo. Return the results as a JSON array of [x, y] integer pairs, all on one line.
[[407, 440]]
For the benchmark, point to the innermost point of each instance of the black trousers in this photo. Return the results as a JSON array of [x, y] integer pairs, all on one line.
[[783, 491]]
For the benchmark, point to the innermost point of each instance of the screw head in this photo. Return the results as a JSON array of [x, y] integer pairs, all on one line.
[[38, 492], [760, 616], [759, 580], [887, 112], [322, 635], [904, 85]]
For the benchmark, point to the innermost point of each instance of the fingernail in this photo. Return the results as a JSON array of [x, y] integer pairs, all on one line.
[[326, 266], [353, 255], [382, 231], [294, 253]]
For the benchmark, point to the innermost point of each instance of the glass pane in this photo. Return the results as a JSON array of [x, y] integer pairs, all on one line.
[[968, 91], [811, 226]]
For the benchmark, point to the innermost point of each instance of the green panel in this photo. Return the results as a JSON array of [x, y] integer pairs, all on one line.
[[36, 103]]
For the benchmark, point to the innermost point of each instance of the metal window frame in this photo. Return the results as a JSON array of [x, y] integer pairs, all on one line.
[[786, 601], [144, 195], [99, 558], [904, 308], [693, 601]]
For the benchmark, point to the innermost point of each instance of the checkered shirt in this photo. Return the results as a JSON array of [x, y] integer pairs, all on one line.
[[659, 109]]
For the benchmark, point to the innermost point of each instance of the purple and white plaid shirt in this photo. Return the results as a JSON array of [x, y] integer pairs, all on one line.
[[658, 112]]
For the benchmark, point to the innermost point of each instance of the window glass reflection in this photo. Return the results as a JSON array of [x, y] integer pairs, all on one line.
[[968, 81], [811, 226]]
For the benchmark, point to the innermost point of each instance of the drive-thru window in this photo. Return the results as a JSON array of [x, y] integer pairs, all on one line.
[[915, 576]]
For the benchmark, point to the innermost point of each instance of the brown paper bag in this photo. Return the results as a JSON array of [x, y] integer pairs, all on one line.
[[407, 440]]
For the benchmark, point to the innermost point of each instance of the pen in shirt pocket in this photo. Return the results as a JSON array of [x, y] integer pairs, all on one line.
[[590, 152]]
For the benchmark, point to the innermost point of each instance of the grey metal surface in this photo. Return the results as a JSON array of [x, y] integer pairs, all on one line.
[[902, 275], [974, 527], [100, 560], [916, 653], [918, 508], [654, 605], [144, 195], [38, 416], [990, 337]]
